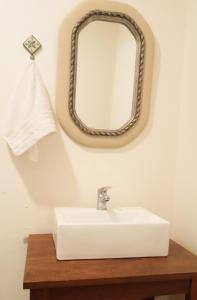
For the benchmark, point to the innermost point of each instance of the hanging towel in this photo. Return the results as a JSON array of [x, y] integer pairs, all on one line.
[[29, 117]]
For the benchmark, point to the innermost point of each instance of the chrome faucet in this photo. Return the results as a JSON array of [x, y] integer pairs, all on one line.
[[103, 198]]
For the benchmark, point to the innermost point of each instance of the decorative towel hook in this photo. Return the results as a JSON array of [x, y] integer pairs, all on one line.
[[32, 45]]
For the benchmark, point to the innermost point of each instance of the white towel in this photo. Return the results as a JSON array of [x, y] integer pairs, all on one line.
[[29, 117]]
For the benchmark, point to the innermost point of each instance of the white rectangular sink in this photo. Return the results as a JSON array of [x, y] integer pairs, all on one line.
[[87, 233]]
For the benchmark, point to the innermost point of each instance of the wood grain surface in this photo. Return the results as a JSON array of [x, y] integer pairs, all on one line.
[[43, 270], [104, 292]]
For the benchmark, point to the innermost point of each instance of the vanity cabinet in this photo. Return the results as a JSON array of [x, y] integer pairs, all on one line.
[[107, 279]]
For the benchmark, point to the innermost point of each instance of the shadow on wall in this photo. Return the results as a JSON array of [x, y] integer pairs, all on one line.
[[50, 181]]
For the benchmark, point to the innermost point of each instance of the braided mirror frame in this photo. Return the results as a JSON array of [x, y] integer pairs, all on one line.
[[140, 41]]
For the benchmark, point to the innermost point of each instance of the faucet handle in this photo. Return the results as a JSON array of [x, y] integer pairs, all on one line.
[[104, 189], [103, 197]]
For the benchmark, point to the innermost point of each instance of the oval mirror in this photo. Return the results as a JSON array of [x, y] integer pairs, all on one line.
[[110, 72]]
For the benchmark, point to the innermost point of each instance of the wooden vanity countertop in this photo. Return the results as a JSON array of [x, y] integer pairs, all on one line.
[[43, 270]]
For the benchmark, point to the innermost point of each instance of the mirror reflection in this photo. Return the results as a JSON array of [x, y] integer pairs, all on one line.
[[105, 82]]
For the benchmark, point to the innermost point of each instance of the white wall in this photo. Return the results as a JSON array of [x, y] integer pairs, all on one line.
[[184, 221], [185, 204], [141, 173]]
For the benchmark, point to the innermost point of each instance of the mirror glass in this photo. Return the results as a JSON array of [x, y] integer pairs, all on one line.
[[105, 75]]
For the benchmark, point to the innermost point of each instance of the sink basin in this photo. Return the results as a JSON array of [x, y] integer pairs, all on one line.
[[87, 233]]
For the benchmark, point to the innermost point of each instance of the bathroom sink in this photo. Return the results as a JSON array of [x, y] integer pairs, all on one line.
[[87, 233]]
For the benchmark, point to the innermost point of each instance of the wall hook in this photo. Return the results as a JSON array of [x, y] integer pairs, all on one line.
[[32, 45]]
